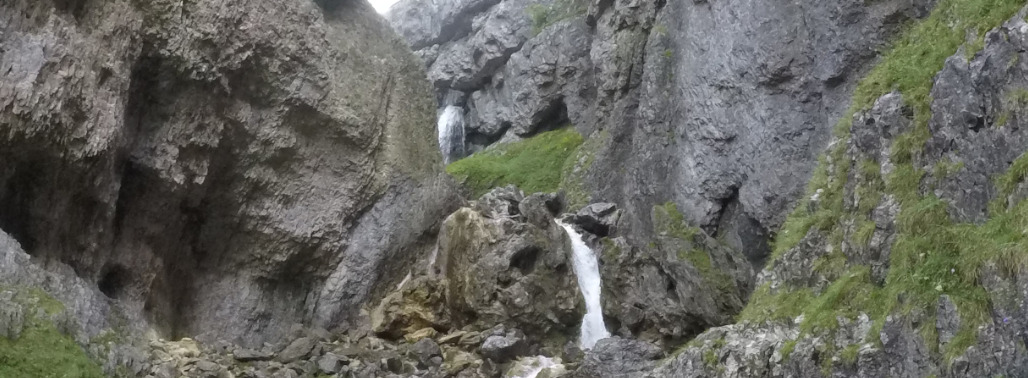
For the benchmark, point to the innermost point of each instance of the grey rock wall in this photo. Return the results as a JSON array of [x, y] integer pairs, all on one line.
[[720, 107], [223, 169]]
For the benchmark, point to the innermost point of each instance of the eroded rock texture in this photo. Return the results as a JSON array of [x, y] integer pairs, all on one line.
[[222, 168], [720, 107], [975, 132]]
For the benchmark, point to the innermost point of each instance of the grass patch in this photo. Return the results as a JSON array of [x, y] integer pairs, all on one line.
[[849, 354], [544, 15], [787, 348], [670, 222], [534, 165], [862, 236], [41, 350]]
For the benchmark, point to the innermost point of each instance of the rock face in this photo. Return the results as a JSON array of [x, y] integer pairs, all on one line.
[[501, 268], [677, 286], [684, 99], [220, 169], [964, 181]]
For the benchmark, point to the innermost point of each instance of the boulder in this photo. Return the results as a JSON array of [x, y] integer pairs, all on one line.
[[616, 357], [427, 353], [330, 364], [504, 345], [250, 355], [297, 350], [501, 269]]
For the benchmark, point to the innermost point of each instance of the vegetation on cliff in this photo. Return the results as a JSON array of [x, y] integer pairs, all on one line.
[[932, 255], [41, 350], [534, 165]]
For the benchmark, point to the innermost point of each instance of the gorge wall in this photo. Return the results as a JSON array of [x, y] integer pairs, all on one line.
[[218, 168], [714, 106], [770, 188]]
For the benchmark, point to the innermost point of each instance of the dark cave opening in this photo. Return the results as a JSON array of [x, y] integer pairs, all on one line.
[[524, 260], [16, 198], [114, 280]]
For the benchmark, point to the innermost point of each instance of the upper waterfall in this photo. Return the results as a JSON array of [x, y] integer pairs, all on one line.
[[451, 133]]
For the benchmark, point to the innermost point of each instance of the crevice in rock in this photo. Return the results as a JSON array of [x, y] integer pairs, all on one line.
[[16, 199], [524, 260], [76, 8], [114, 280], [739, 231], [553, 117], [333, 5]]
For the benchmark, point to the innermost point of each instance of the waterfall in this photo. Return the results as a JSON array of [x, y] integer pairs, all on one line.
[[587, 270], [451, 133], [536, 365]]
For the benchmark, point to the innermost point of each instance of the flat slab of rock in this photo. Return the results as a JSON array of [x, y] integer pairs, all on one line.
[[248, 355], [297, 350]]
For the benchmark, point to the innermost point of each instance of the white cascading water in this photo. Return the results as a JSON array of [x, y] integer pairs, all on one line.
[[451, 133], [587, 269], [539, 363]]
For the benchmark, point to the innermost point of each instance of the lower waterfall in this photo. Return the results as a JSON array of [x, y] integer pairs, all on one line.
[[587, 270]]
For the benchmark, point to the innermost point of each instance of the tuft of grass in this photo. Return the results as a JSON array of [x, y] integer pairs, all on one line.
[[862, 236], [1007, 182], [787, 348], [832, 265], [849, 354], [784, 305], [671, 223], [534, 165], [544, 15]]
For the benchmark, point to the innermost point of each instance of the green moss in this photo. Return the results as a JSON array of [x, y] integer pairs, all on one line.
[[544, 15], [849, 354], [1018, 98], [710, 356], [787, 348], [862, 236], [784, 305], [611, 251], [946, 168], [37, 298], [1007, 182], [671, 223], [1014, 102], [832, 265], [41, 350], [534, 165], [577, 166]]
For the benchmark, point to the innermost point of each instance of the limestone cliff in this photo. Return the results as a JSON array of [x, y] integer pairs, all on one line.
[[221, 169]]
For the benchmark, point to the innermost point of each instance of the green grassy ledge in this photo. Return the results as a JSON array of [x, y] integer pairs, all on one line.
[[41, 351], [534, 165]]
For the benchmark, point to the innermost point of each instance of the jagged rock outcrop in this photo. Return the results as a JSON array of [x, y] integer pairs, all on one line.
[[917, 274], [675, 287], [501, 261], [222, 169]]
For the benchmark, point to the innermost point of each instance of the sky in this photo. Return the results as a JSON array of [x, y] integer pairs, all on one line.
[[382, 5]]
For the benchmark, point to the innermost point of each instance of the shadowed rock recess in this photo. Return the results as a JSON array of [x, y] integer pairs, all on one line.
[[255, 188]]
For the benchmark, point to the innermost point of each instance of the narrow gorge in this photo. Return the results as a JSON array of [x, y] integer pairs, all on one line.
[[513, 188]]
